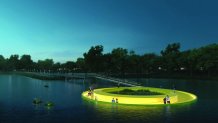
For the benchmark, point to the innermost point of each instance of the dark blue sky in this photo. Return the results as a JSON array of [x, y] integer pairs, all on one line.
[[65, 29]]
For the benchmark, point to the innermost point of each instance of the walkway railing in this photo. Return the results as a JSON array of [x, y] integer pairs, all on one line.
[[94, 75], [117, 80]]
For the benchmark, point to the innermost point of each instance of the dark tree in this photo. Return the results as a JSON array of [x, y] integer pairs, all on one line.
[[119, 60], [69, 66], [170, 56], [2, 63], [80, 65], [13, 62], [26, 62], [45, 65], [93, 59]]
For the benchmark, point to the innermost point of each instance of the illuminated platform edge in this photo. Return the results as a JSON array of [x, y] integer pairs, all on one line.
[[176, 97]]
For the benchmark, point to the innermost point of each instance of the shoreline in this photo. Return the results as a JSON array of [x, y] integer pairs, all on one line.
[[42, 76], [36, 75]]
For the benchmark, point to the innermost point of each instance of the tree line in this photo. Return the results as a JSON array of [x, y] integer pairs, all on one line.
[[200, 61], [120, 61], [25, 63]]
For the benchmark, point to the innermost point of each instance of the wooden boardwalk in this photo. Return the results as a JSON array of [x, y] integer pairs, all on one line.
[[69, 76]]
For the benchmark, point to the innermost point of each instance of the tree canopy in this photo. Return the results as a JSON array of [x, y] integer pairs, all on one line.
[[120, 61]]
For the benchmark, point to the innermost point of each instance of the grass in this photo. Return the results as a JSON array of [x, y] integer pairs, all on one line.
[[136, 92]]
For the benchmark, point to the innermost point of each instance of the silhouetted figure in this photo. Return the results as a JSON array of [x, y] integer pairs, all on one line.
[[113, 101], [168, 99], [164, 100], [116, 100]]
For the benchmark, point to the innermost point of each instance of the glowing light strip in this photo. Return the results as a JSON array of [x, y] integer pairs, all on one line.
[[176, 97]]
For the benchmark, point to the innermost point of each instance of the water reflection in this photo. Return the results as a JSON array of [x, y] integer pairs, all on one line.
[[131, 113], [17, 93]]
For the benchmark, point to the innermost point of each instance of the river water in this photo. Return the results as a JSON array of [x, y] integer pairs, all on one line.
[[18, 92]]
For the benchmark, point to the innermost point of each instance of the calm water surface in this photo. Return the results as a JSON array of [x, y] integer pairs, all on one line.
[[17, 93]]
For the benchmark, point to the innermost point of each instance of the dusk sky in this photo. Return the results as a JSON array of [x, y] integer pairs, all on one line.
[[64, 29]]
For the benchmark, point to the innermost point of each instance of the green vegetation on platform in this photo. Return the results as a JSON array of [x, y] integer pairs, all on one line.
[[136, 92]]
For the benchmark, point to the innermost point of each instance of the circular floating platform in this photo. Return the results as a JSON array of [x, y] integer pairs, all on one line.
[[105, 95]]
